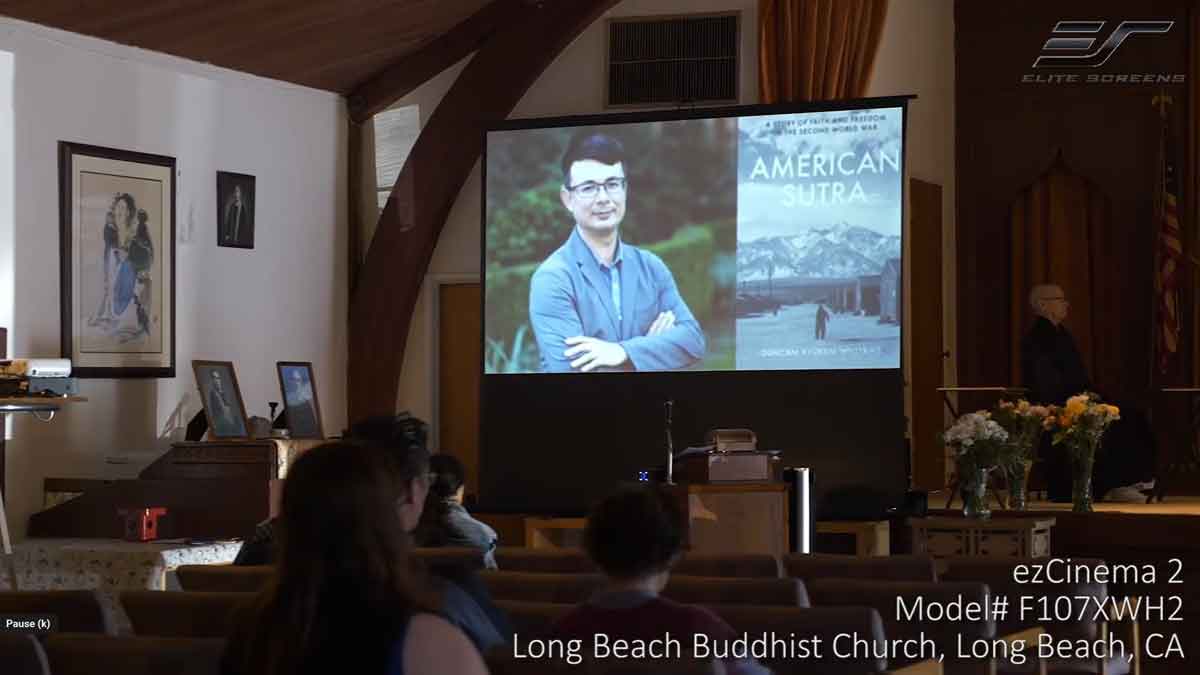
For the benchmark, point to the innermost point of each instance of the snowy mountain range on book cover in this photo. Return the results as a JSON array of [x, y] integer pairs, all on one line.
[[819, 215]]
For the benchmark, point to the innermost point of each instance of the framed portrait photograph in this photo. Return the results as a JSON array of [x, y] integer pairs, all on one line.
[[222, 398], [235, 210], [300, 399], [117, 261]]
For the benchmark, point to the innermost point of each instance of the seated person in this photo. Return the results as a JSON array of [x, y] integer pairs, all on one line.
[[344, 585], [634, 536], [445, 522], [1053, 371], [464, 599]]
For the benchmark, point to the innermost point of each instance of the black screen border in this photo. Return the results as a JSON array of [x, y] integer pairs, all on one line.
[[870, 377]]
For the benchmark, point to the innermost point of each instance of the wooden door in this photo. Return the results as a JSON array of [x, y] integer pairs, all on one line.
[[924, 319], [459, 354]]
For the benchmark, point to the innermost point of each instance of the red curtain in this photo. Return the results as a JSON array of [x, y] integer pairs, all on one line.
[[814, 50]]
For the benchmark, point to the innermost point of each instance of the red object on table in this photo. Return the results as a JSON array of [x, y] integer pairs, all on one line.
[[142, 524]]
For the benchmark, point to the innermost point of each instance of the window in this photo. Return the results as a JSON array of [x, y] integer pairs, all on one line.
[[655, 60], [396, 130]]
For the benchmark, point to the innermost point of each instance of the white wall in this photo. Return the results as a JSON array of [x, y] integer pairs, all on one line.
[[916, 57], [7, 245], [284, 300]]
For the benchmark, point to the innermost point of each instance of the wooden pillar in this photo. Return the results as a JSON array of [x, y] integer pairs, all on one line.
[[922, 317]]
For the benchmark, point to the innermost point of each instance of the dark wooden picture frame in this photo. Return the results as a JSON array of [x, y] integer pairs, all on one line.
[[219, 423], [233, 232], [117, 261], [313, 428]]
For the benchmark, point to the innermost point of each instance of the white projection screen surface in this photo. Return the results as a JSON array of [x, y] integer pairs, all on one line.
[[766, 241]]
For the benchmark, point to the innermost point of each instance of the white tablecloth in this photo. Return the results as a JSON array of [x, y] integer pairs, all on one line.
[[109, 566]]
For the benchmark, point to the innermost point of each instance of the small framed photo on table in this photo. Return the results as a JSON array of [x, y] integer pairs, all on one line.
[[300, 402], [222, 398]]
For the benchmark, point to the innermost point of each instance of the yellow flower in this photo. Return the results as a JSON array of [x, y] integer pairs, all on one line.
[[1076, 406], [1078, 400], [1022, 405], [1112, 410]]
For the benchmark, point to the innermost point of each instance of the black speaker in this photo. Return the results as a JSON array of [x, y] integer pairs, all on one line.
[[916, 504], [802, 523]]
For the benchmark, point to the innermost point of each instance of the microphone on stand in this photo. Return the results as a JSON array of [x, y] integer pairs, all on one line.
[[670, 444]]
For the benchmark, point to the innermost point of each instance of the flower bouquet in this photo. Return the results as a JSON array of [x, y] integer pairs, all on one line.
[[1079, 425], [979, 445], [1024, 423]]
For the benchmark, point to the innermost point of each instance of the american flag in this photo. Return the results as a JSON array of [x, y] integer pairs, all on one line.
[[1169, 255]]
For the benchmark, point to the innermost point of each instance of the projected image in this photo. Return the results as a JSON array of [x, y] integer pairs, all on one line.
[[737, 243], [611, 248], [818, 254]]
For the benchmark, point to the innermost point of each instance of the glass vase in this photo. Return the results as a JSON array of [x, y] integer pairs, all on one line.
[[1081, 484], [1018, 486], [974, 491]]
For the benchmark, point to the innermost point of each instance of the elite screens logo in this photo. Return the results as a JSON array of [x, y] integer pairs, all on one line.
[[1083, 46], [1077, 52]]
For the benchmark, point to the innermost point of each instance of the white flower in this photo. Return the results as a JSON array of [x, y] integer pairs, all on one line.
[[974, 427]]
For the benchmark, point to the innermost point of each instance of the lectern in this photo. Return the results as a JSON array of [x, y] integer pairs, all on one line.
[[734, 517], [733, 502]]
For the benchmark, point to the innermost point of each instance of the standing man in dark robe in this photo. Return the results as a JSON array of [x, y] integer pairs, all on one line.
[[822, 319], [1053, 371], [1050, 362]]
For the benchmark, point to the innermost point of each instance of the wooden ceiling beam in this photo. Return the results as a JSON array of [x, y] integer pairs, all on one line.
[[124, 20], [334, 45], [362, 24], [301, 42], [68, 15], [325, 45], [450, 143], [392, 83], [336, 74], [231, 27]]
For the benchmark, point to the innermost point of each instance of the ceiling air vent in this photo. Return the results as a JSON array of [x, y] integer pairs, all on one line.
[[677, 60]]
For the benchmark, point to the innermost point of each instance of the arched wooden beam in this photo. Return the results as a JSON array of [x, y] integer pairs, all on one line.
[[392, 83], [448, 147]]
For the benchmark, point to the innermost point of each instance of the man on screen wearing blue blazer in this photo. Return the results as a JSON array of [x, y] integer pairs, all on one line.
[[598, 303]]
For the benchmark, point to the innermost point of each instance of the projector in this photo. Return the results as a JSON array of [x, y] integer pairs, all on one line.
[[52, 386], [36, 367]]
